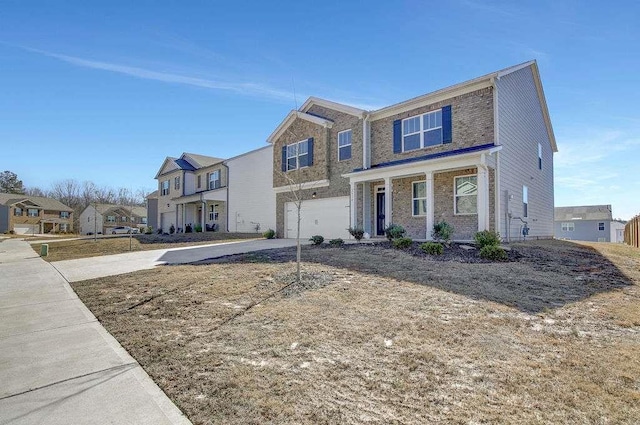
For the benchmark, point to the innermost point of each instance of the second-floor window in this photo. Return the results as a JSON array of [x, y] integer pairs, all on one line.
[[143, 220], [422, 131], [124, 219], [32, 212], [164, 187], [298, 155], [539, 156], [111, 219], [525, 201], [344, 145], [17, 211], [64, 214], [176, 183], [214, 180], [466, 195], [199, 181]]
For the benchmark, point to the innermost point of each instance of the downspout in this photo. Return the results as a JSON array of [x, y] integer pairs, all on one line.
[[366, 141], [496, 137]]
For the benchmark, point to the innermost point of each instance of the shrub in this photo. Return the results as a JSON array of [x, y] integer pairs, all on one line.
[[172, 229], [159, 231], [402, 243], [336, 242], [269, 234], [432, 248], [493, 253], [394, 231], [198, 228], [486, 238], [149, 230], [317, 239], [442, 232], [188, 229], [357, 232]]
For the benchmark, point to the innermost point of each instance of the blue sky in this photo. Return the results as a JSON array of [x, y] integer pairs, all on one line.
[[87, 88]]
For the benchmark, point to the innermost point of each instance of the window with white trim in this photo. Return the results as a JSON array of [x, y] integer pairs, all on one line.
[[111, 219], [176, 184], [539, 156], [419, 198], [32, 212], [465, 197], [164, 188], [525, 201], [601, 226], [213, 215], [297, 155], [568, 226], [344, 145], [199, 181], [17, 211], [214, 180], [64, 214], [143, 220], [422, 131]]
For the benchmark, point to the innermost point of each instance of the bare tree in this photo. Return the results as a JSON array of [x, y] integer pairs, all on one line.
[[35, 191]]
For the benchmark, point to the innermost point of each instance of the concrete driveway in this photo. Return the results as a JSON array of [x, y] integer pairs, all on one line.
[[109, 265], [58, 365]]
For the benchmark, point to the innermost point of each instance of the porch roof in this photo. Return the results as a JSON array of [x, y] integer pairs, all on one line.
[[208, 195]]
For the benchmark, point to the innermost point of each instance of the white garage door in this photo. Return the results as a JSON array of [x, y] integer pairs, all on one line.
[[326, 217], [24, 229]]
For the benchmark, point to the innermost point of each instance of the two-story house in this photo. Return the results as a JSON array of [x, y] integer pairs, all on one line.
[[588, 223], [23, 214], [233, 195], [101, 218], [478, 155]]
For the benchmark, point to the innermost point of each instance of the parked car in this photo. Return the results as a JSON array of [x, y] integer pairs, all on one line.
[[123, 229]]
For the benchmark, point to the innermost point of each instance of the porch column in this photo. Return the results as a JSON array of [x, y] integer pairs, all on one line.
[[388, 201], [353, 201], [204, 211], [366, 208], [430, 204], [483, 198], [184, 216]]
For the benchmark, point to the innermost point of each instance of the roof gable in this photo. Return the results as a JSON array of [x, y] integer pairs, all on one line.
[[168, 166], [356, 112], [291, 117], [39, 201], [200, 161]]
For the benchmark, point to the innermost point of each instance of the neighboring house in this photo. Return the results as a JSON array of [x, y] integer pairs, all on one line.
[[225, 195], [588, 223], [152, 210], [24, 214], [478, 154], [101, 218]]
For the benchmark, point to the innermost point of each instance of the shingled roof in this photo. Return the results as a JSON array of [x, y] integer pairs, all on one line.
[[584, 212], [45, 203]]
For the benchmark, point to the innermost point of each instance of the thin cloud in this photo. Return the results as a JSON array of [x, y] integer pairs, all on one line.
[[244, 88]]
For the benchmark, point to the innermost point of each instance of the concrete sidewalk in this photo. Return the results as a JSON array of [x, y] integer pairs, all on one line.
[[58, 365], [110, 265]]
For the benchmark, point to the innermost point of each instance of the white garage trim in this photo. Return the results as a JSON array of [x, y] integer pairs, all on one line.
[[25, 229], [328, 217]]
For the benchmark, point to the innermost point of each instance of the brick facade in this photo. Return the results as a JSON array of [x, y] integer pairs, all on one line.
[[472, 125]]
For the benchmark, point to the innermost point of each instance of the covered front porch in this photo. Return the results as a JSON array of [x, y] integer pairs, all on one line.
[[459, 189], [206, 211]]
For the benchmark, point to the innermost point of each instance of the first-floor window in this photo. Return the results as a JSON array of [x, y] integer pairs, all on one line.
[[568, 227], [111, 219], [466, 195], [17, 211], [143, 220], [525, 201], [601, 226], [32, 212], [64, 227], [164, 189], [419, 198], [124, 219], [213, 215], [214, 180]]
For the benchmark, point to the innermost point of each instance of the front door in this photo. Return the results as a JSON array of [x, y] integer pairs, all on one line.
[[380, 213]]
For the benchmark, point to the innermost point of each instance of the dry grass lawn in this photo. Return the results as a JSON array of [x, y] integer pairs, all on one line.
[[83, 248], [379, 336]]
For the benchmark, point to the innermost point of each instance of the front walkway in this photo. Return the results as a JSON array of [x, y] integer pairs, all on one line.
[[58, 365]]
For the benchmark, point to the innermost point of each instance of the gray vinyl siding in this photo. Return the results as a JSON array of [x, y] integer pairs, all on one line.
[[521, 127], [152, 213], [584, 230], [4, 218]]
